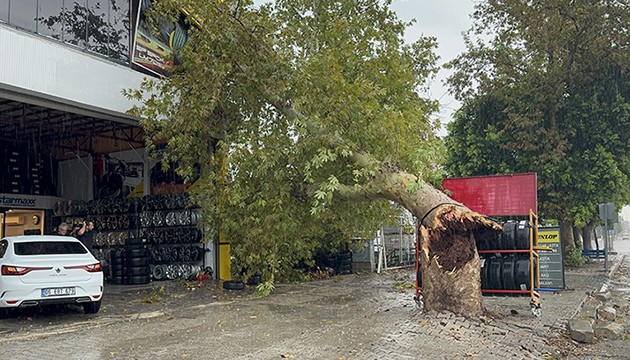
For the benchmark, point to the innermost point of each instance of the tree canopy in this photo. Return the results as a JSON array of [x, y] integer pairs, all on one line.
[[290, 110], [546, 89]]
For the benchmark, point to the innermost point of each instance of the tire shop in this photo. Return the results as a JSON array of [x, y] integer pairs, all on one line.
[[69, 167], [70, 152]]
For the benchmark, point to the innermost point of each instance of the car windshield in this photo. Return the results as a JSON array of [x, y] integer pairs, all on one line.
[[48, 248]]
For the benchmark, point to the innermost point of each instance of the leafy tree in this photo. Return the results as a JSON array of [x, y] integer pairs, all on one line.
[[306, 120], [545, 86]]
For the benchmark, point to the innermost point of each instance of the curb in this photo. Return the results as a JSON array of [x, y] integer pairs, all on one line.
[[613, 269]]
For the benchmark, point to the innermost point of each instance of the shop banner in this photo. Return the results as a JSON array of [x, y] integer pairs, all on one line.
[[19, 201]]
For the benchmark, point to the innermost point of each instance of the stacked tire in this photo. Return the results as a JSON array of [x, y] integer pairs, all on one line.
[[506, 271], [137, 269], [340, 262], [344, 262], [130, 266]]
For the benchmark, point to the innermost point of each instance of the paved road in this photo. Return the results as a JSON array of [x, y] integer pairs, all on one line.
[[352, 317]]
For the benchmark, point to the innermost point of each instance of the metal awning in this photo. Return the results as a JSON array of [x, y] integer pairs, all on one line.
[[66, 132]]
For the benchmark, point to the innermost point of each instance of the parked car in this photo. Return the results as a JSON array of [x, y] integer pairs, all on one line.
[[41, 269]]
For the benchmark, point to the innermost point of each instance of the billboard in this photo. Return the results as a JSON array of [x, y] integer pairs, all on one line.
[[496, 195], [156, 49]]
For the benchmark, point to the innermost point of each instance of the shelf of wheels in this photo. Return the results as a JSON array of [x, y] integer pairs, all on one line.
[[154, 237]]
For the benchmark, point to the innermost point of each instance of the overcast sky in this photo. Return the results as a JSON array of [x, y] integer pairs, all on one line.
[[445, 20]]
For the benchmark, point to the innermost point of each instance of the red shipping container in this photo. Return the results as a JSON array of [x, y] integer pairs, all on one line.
[[496, 195]]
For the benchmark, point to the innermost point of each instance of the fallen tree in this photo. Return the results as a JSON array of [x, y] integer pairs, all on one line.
[[299, 118]]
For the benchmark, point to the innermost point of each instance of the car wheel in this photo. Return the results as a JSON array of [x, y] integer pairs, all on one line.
[[92, 307], [4, 313], [233, 285]]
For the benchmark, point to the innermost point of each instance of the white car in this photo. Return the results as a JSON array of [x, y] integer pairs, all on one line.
[[40, 270]]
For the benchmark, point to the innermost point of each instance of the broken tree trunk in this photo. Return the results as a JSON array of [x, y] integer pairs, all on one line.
[[450, 263]]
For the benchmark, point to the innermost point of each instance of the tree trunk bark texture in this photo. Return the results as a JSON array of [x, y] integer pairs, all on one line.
[[587, 231], [566, 234], [577, 237], [450, 263]]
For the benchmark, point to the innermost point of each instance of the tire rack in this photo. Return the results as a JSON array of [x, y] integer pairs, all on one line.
[[534, 274], [102, 210]]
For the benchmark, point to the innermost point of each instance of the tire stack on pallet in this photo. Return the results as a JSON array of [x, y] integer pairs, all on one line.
[[505, 260]]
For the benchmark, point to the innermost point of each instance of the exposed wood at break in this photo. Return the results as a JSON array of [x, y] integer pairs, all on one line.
[[450, 263]]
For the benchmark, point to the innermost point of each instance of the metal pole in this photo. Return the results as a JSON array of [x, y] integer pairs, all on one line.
[[606, 244]]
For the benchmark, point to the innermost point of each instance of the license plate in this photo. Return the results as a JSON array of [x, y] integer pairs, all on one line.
[[59, 291]]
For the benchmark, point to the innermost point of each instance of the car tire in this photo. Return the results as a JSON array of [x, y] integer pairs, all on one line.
[[137, 271], [233, 285], [92, 307], [137, 261]]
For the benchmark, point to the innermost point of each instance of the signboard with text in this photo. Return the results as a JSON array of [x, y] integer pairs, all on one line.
[[550, 265]]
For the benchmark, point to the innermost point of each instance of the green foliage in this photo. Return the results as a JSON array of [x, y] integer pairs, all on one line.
[[573, 256], [265, 288], [154, 296], [267, 178], [546, 89]]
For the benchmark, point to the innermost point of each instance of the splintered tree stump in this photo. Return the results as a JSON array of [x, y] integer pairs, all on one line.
[[450, 262]]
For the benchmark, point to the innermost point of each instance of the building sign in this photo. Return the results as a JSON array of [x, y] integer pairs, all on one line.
[[156, 51], [17, 201], [550, 265]]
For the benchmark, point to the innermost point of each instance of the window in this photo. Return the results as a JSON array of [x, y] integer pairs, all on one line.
[[3, 247], [48, 248], [98, 27], [50, 18], [23, 14], [4, 10], [119, 24], [74, 29], [101, 26]]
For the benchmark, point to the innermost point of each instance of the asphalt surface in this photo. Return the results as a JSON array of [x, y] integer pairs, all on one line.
[[365, 316]]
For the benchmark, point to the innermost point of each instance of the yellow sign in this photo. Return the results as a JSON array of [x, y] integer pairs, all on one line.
[[548, 236]]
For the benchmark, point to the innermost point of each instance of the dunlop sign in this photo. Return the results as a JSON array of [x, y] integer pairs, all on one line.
[[550, 265]]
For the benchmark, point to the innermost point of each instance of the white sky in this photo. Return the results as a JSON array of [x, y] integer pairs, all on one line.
[[444, 20]]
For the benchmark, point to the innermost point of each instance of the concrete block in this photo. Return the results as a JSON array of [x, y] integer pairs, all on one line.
[[603, 296], [607, 313], [582, 330], [608, 330]]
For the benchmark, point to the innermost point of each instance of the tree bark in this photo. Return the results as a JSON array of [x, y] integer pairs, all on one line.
[[587, 231], [566, 233], [577, 237]]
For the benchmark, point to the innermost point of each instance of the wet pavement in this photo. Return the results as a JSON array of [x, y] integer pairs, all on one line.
[[366, 316]]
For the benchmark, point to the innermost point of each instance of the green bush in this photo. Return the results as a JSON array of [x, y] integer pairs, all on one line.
[[573, 256]]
